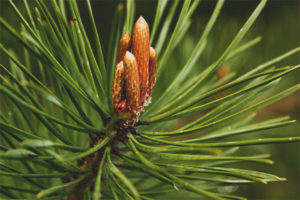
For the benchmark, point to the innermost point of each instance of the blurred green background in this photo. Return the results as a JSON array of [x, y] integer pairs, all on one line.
[[279, 26]]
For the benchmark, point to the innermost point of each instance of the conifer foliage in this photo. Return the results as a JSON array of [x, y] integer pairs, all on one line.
[[67, 132]]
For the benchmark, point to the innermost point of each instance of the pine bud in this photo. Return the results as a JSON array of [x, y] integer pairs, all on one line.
[[140, 49], [118, 83], [124, 45], [152, 74], [132, 85]]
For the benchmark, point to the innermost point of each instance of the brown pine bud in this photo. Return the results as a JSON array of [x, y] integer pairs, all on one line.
[[118, 83], [152, 74], [132, 85], [124, 45], [140, 49]]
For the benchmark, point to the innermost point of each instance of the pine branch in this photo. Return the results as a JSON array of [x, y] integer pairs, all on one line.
[[71, 127]]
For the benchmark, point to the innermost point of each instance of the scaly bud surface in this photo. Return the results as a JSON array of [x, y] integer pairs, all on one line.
[[152, 74], [118, 83], [140, 49], [132, 85], [124, 45]]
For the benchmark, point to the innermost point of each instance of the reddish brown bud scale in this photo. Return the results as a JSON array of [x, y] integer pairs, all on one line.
[[152, 74], [124, 45], [120, 108], [140, 49], [132, 85], [118, 83]]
